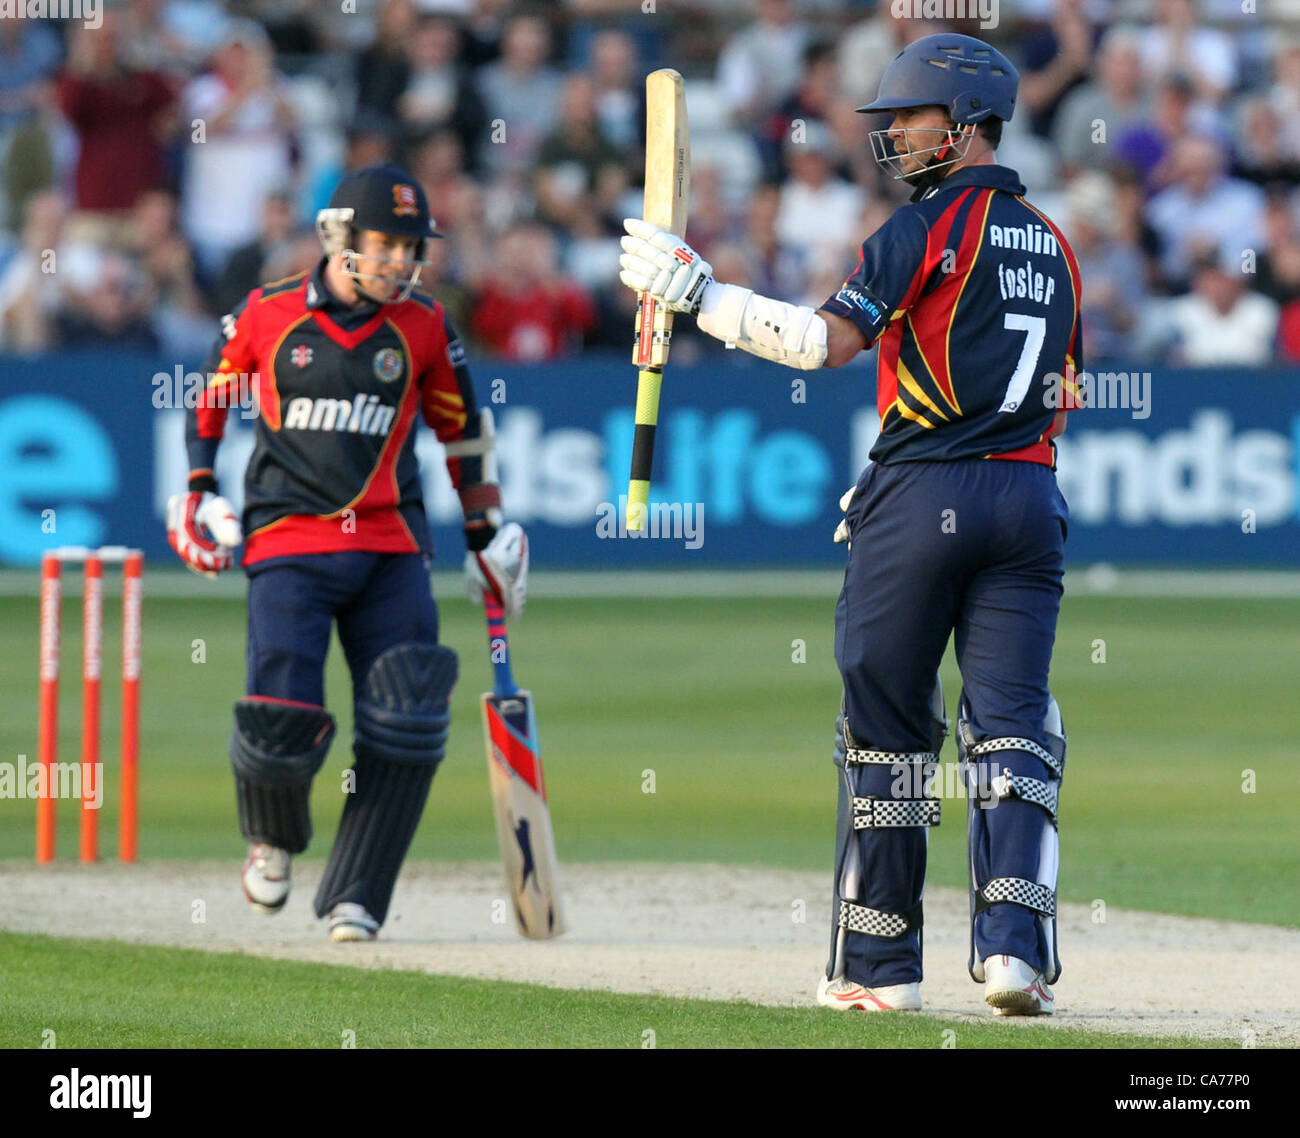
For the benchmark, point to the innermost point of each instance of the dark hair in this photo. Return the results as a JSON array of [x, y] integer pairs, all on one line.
[[991, 129]]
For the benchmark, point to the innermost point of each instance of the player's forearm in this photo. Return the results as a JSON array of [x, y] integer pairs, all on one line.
[[789, 334], [202, 453]]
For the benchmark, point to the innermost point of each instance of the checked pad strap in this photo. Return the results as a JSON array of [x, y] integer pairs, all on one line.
[[879, 813], [1011, 743], [860, 755], [1017, 891], [1044, 794], [873, 922]]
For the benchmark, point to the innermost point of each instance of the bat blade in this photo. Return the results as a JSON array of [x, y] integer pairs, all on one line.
[[666, 204], [523, 816]]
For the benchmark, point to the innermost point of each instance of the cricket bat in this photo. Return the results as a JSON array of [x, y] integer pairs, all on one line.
[[519, 791], [667, 199]]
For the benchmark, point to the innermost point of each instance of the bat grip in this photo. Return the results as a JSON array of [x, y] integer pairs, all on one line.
[[643, 446], [499, 647]]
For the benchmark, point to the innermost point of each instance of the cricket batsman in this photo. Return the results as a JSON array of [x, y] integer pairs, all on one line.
[[341, 361], [955, 527]]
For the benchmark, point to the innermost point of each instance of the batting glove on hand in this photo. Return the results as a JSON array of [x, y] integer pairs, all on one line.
[[501, 570], [204, 531], [657, 262]]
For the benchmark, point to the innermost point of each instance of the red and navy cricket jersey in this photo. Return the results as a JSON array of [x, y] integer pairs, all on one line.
[[974, 296], [337, 390]]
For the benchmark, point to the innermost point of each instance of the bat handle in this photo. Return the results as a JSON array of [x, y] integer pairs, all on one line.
[[499, 646], [643, 446]]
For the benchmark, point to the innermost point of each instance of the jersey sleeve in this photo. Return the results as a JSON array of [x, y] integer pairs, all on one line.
[[888, 278], [449, 406], [227, 373]]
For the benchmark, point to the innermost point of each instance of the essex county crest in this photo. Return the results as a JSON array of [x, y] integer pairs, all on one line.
[[388, 364]]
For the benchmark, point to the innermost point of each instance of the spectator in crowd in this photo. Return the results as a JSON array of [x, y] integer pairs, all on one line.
[[1095, 115], [242, 150], [485, 31], [775, 269], [818, 215], [439, 94], [245, 269], [1147, 144], [30, 55], [438, 163], [111, 315], [1179, 44], [1221, 322], [521, 94], [761, 64], [368, 142], [179, 314], [1284, 92], [620, 94], [1056, 57], [1132, 227], [1203, 206], [572, 156], [813, 101], [437, 280], [1113, 276], [30, 287], [1262, 151], [869, 46], [383, 69], [527, 310], [299, 252], [169, 37], [1279, 264], [122, 118]]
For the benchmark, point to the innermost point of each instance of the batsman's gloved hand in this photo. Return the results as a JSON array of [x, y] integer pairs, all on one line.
[[501, 570], [657, 262], [204, 531]]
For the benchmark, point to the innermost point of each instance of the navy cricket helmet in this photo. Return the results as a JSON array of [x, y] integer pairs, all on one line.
[[970, 79], [382, 198]]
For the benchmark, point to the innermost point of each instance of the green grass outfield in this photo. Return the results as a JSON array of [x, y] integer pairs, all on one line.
[[102, 994], [707, 696]]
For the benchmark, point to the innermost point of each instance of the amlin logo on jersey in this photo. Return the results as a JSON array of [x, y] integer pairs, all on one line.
[[364, 415]]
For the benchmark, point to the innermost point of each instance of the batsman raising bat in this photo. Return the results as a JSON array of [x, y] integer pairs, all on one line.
[[955, 527], [343, 360]]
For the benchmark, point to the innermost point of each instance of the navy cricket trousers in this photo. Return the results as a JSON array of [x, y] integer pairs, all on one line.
[[379, 600], [971, 547]]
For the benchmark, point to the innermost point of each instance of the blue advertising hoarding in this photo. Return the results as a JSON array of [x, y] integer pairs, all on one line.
[[1171, 468]]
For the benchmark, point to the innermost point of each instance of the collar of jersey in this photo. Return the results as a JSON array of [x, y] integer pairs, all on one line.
[[993, 177], [320, 299]]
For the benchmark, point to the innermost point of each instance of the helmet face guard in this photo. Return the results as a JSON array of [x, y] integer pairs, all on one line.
[[951, 149], [338, 236]]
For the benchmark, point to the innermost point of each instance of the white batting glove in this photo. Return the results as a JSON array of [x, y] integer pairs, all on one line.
[[842, 530], [501, 570], [657, 262], [203, 530]]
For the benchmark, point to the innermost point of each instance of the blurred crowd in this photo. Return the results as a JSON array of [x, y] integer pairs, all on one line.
[[155, 168]]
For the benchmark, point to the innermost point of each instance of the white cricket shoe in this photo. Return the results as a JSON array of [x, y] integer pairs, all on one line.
[[1014, 988], [266, 877], [846, 994], [350, 921]]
